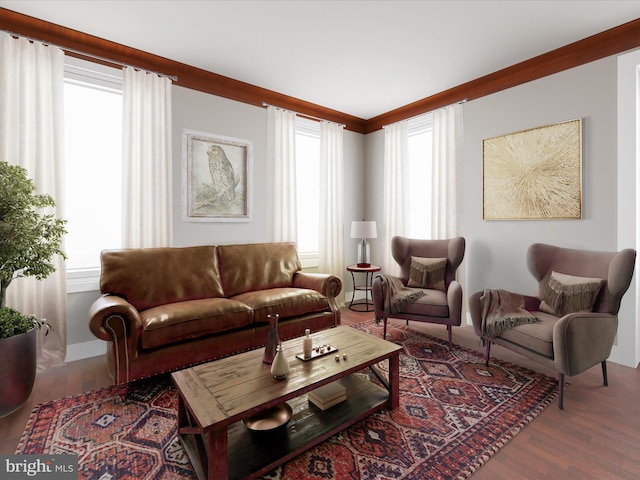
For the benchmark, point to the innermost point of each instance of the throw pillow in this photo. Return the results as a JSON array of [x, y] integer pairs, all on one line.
[[566, 294], [427, 273]]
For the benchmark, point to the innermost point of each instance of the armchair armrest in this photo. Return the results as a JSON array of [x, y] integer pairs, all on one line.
[[531, 304], [475, 312], [327, 284], [377, 296], [454, 300], [582, 340]]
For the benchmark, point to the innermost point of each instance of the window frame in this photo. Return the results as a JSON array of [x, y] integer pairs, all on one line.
[[101, 77], [417, 126], [310, 128]]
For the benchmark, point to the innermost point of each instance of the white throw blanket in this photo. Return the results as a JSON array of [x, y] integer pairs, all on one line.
[[501, 310]]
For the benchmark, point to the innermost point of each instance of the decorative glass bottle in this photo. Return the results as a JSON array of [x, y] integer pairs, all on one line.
[[280, 365], [307, 344], [272, 340]]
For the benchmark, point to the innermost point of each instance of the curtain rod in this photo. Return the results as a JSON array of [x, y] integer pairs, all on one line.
[[90, 55], [304, 115], [459, 102]]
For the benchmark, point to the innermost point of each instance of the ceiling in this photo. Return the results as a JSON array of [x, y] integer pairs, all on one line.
[[363, 58]]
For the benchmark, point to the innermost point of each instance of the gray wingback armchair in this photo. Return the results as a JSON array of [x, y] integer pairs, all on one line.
[[569, 342], [438, 305]]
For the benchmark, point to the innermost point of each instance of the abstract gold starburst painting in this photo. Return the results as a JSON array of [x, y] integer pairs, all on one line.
[[534, 174]]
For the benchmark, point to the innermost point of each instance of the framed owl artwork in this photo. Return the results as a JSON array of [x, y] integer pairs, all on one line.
[[216, 177]]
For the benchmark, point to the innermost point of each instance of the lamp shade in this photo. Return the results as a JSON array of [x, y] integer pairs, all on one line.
[[363, 229]]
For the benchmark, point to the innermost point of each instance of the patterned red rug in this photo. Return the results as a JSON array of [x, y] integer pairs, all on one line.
[[454, 414]]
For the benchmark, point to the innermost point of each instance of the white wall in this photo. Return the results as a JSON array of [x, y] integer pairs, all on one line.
[[199, 111], [496, 250]]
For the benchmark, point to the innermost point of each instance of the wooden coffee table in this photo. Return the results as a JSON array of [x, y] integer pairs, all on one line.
[[215, 397]]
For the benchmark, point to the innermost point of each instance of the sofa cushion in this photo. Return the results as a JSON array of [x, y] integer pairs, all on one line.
[[537, 337], [286, 302], [258, 266], [176, 322], [433, 304], [148, 277]]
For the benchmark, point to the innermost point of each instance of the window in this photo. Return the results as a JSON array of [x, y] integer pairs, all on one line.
[[93, 160], [308, 189], [420, 155]]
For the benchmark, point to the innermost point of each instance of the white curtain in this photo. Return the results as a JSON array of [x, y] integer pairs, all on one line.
[[281, 154], [446, 207], [146, 160], [331, 244], [395, 190], [32, 136], [447, 150]]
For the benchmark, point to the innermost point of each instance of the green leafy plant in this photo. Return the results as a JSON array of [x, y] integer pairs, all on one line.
[[29, 239], [12, 322]]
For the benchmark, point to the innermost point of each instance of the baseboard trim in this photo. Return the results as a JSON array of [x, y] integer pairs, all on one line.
[[80, 351]]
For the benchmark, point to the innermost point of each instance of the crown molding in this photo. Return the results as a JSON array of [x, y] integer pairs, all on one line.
[[610, 42], [187, 75]]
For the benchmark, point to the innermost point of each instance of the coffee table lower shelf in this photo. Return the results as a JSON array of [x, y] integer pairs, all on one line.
[[252, 454]]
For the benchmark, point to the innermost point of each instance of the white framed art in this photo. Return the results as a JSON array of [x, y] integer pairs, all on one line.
[[217, 177]]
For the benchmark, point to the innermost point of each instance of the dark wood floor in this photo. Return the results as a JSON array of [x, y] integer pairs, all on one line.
[[596, 436]]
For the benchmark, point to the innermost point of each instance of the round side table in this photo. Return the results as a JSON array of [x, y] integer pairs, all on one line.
[[365, 287]]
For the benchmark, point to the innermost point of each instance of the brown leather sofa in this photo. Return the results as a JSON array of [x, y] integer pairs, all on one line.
[[163, 309]]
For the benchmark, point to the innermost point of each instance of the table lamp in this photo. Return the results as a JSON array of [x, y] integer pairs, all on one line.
[[363, 230]]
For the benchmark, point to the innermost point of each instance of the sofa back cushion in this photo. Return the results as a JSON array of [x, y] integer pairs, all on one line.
[[257, 266], [148, 277]]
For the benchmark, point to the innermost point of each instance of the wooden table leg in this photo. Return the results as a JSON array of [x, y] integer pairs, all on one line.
[[217, 455], [394, 380], [209, 450], [182, 413]]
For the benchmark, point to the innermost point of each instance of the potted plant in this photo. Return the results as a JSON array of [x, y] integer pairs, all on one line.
[[29, 240]]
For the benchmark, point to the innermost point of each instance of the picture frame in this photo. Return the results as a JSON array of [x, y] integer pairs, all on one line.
[[217, 177], [534, 174]]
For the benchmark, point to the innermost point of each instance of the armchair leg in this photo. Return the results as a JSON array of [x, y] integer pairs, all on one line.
[[561, 388], [384, 330], [449, 331], [487, 351], [604, 373]]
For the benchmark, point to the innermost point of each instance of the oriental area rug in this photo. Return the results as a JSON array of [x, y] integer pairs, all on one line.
[[454, 414]]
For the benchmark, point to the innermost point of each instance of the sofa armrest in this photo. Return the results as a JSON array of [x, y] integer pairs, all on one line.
[[108, 306], [582, 340], [113, 319], [325, 283]]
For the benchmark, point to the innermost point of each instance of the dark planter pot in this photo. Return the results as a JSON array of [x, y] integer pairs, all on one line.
[[17, 370]]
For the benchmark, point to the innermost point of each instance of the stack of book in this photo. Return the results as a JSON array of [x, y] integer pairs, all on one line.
[[328, 395]]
